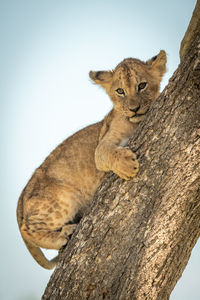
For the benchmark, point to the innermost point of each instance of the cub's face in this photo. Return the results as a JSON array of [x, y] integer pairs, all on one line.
[[133, 85]]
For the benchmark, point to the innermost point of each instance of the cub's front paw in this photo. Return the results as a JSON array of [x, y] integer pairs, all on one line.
[[125, 164]]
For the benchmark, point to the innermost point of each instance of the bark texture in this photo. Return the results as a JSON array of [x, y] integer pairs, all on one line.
[[137, 238]]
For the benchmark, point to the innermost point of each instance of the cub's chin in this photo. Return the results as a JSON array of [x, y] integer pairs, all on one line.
[[136, 119]]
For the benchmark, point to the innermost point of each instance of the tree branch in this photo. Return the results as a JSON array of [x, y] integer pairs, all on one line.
[[136, 240], [192, 31]]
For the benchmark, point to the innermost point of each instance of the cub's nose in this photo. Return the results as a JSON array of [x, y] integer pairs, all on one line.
[[135, 109]]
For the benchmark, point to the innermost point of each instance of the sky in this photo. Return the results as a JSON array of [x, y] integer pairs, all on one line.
[[46, 52]]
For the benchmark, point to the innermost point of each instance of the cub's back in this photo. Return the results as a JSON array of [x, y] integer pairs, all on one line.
[[71, 163]]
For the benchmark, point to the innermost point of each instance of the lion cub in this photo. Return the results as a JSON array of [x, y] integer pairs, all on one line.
[[67, 180]]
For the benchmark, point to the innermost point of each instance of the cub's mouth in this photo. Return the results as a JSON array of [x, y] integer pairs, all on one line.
[[137, 117]]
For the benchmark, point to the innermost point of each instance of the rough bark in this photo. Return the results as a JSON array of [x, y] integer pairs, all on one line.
[[137, 238]]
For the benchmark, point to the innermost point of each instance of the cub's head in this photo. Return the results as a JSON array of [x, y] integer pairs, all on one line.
[[133, 85]]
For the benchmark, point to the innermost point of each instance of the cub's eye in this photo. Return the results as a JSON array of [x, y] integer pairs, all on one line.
[[141, 86], [120, 91]]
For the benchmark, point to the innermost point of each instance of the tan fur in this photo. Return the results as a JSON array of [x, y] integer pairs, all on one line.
[[67, 180]]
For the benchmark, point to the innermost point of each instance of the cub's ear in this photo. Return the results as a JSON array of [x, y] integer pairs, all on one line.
[[101, 77], [158, 63]]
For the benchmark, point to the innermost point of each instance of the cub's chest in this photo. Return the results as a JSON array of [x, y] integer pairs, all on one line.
[[124, 141], [123, 130]]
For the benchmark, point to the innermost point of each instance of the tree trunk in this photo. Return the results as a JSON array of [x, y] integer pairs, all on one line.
[[137, 238]]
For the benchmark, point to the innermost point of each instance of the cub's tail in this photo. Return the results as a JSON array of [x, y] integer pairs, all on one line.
[[38, 255], [35, 251]]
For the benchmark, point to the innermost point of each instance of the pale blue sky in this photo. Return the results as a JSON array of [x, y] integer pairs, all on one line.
[[47, 49]]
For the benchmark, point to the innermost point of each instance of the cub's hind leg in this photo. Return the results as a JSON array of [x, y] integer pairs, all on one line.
[[45, 220], [39, 235]]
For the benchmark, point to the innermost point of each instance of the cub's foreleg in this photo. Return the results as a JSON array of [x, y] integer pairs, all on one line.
[[122, 161]]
